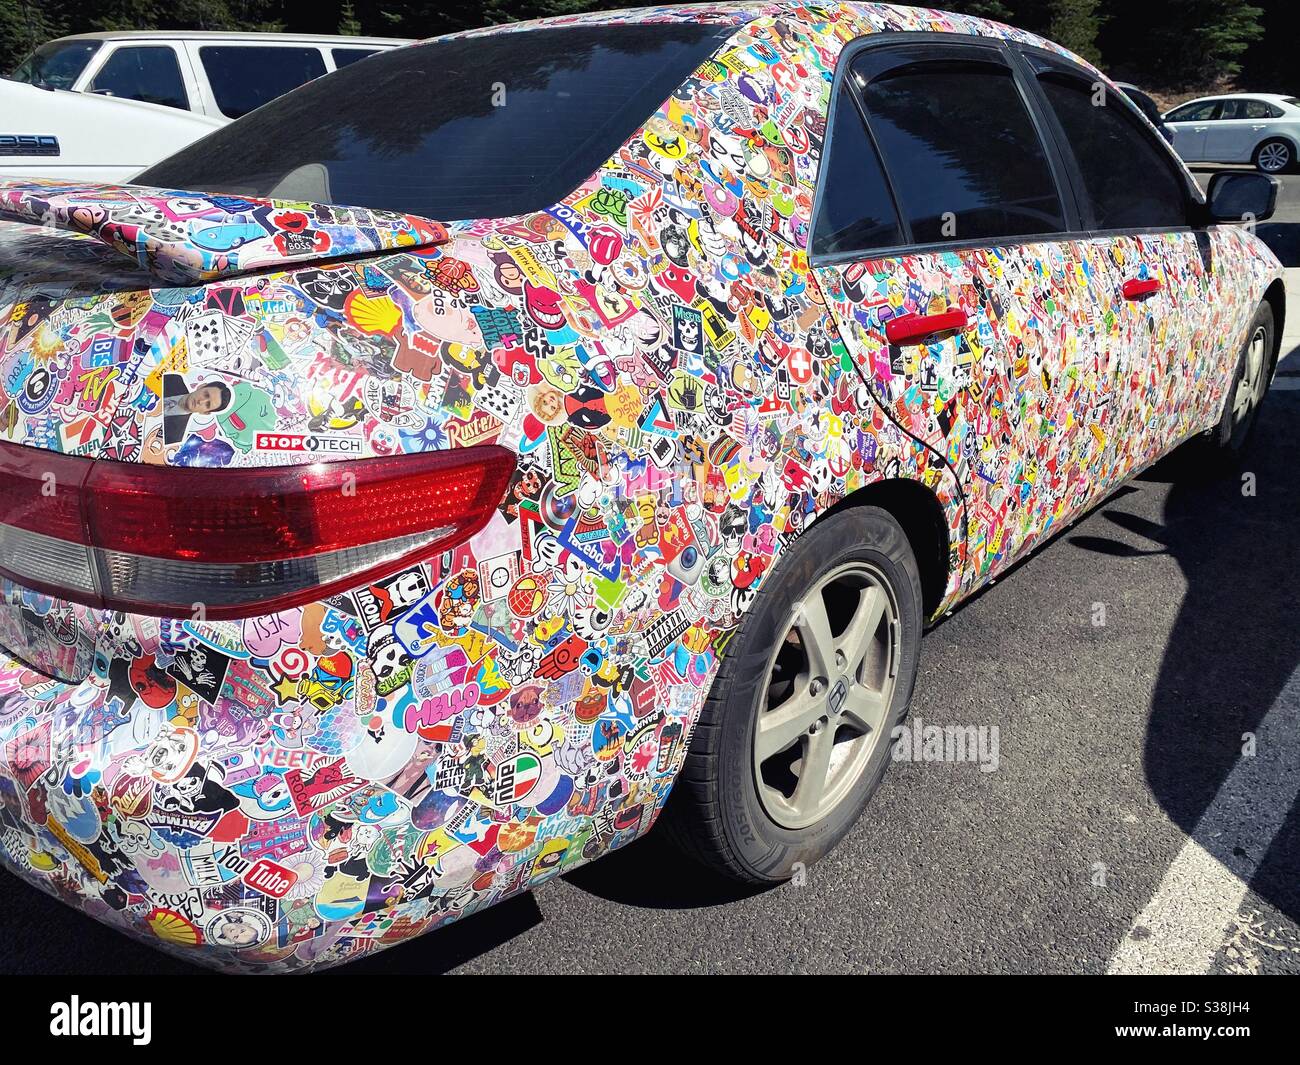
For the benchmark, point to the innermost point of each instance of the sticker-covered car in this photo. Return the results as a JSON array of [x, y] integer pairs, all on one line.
[[416, 488]]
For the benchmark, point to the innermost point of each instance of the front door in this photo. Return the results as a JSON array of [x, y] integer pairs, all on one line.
[[1153, 296]]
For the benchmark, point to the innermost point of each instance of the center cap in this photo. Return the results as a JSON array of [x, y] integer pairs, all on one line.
[[837, 695]]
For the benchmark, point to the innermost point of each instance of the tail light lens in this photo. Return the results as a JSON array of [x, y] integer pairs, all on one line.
[[170, 541]]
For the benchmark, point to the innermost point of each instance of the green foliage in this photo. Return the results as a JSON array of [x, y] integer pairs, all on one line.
[[1075, 25], [1161, 43]]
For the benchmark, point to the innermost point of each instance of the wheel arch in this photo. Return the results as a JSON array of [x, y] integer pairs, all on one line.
[[920, 513], [1275, 297]]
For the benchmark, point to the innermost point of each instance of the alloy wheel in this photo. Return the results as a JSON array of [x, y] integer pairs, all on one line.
[[829, 689], [1274, 157]]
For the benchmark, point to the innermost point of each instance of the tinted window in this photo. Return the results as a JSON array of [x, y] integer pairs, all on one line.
[[961, 148], [344, 57], [1249, 109], [1129, 179], [243, 79], [149, 73], [56, 65], [856, 209], [1193, 112], [477, 127]]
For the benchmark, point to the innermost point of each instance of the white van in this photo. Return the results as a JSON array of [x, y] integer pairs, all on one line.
[[224, 75], [56, 134]]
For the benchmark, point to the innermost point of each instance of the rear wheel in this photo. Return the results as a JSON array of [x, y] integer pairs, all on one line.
[[795, 735], [1274, 156]]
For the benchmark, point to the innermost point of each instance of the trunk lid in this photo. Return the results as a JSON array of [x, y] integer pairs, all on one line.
[[187, 238], [91, 278]]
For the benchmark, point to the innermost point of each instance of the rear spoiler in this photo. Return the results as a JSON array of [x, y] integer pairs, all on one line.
[[187, 238]]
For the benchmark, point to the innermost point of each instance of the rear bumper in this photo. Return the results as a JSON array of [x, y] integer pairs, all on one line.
[[213, 831], [89, 813]]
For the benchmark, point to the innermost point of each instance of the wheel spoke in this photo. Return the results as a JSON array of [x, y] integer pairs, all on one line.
[[783, 725], [813, 770], [814, 628], [858, 638]]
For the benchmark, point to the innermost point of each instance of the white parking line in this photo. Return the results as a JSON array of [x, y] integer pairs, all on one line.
[[1183, 926]]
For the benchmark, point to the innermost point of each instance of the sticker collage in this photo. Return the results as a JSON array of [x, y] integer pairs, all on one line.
[[684, 394]]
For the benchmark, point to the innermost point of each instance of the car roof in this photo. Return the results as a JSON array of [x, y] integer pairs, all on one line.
[[737, 14], [219, 35], [1271, 97]]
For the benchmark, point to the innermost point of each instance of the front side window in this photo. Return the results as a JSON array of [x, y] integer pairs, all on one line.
[[855, 211], [1201, 112], [243, 78], [149, 72], [56, 65], [1129, 179], [475, 127], [961, 149]]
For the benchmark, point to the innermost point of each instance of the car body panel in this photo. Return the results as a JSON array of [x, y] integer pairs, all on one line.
[[53, 134], [300, 789]]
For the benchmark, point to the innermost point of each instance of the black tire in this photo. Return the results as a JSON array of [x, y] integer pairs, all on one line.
[[1271, 150], [1229, 438], [715, 813]]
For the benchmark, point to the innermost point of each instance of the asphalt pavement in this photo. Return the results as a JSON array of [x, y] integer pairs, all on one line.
[[1133, 811]]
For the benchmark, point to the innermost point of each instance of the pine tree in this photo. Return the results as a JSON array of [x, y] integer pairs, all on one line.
[[1075, 24]]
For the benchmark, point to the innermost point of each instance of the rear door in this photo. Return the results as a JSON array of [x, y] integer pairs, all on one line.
[[1241, 125]]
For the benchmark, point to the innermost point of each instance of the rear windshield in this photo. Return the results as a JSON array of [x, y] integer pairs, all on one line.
[[479, 127], [56, 65]]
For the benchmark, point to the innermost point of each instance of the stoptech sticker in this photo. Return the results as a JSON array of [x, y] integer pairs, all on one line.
[[309, 443]]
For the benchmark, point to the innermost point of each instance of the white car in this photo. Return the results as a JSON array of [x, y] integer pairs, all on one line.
[[1261, 128], [69, 135], [224, 75]]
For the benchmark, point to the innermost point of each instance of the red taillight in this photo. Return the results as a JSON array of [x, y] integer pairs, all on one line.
[[233, 543]]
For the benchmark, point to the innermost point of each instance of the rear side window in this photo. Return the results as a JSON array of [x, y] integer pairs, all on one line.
[[1249, 109], [962, 151], [148, 72], [1129, 179], [856, 209], [344, 57], [475, 127], [244, 78]]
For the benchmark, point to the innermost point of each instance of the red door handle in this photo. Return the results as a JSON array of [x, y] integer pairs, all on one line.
[[1137, 287], [910, 328]]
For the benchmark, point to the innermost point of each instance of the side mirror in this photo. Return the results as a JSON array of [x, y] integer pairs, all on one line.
[[1241, 197]]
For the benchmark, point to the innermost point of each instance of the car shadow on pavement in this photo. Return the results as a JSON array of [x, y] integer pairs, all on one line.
[[1235, 643], [1283, 239], [652, 873]]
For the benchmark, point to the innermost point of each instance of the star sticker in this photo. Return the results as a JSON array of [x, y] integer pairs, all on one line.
[[286, 690]]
